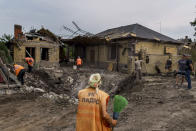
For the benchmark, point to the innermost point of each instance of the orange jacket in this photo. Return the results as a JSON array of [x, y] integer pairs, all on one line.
[[89, 116], [79, 61], [17, 69], [29, 61]]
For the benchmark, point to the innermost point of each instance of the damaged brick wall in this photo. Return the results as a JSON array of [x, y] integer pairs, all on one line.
[[158, 55], [53, 53]]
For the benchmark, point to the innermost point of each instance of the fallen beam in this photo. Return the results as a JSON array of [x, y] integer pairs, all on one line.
[[3, 76], [7, 74], [3, 86]]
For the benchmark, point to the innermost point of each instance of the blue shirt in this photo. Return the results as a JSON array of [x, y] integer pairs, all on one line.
[[182, 65], [188, 62]]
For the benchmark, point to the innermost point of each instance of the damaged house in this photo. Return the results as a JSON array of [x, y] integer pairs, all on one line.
[[117, 48], [42, 45]]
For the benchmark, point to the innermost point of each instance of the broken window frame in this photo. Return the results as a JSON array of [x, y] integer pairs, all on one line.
[[167, 52]]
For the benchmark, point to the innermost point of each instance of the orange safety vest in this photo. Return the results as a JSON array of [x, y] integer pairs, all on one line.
[[17, 69], [29, 61], [89, 116], [79, 61]]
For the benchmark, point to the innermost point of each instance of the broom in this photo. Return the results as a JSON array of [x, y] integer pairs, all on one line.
[[119, 104]]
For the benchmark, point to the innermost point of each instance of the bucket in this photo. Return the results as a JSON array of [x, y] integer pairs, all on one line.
[[74, 67]]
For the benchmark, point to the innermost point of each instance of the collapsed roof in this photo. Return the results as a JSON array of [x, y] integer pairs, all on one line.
[[84, 40], [42, 35], [136, 31]]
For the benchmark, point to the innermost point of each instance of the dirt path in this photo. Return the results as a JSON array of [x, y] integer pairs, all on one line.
[[160, 107], [21, 113], [156, 105]]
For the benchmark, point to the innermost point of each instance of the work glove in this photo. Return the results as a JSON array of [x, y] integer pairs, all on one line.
[[115, 115]]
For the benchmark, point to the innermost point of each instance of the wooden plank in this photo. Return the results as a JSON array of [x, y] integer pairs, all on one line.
[[14, 78]]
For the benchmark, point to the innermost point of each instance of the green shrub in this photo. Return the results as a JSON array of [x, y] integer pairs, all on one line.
[[4, 54]]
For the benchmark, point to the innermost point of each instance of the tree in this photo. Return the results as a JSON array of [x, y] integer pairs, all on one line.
[[194, 25], [193, 53], [5, 38], [4, 52]]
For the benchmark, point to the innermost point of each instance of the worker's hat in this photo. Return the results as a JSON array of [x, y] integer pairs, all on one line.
[[94, 80]]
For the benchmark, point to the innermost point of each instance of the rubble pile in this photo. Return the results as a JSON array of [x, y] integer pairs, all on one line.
[[46, 80], [52, 87], [35, 81], [64, 83]]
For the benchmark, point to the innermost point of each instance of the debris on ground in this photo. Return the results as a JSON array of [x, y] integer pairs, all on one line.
[[48, 101]]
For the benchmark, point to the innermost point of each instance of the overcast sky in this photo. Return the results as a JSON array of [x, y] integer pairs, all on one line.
[[98, 15]]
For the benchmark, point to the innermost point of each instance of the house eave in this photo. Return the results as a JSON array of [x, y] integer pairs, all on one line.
[[144, 39]]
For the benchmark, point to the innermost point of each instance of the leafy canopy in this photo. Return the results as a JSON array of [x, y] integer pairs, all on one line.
[[4, 52], [5, 38], [194, 25]]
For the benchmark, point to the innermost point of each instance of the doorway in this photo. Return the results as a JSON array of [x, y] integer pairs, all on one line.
[[92, 56], [44, 54], [30, 52]]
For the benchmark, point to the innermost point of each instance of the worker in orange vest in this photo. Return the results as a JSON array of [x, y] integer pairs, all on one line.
[[92, 108], [30, 62], [20, 72], [79, 62]]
